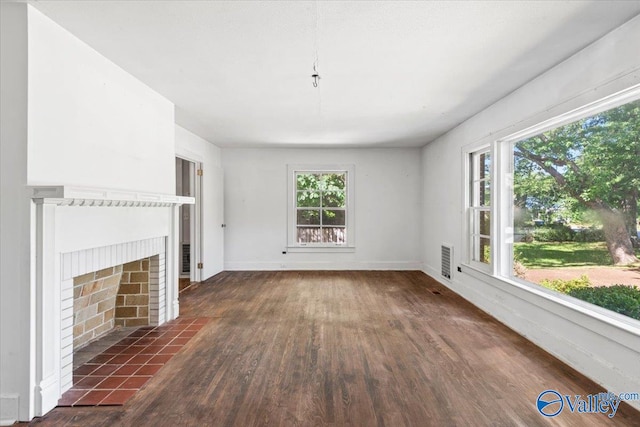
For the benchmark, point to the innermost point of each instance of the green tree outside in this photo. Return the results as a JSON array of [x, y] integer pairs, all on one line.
[[589, 167]]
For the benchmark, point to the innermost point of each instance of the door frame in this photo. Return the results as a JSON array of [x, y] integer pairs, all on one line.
[[195, 214]]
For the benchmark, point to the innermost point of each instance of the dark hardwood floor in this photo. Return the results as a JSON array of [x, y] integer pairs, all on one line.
[[345, 348]]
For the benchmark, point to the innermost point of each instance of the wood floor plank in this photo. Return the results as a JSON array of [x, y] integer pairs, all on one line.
[[358, 348]]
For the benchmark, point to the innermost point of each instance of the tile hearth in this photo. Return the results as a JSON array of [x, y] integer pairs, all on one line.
[[117, 373]]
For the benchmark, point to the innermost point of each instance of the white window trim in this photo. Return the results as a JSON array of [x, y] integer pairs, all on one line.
[[292, 244]]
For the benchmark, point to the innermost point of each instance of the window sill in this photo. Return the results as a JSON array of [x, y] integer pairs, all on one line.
[[513, 286], [320, 249]]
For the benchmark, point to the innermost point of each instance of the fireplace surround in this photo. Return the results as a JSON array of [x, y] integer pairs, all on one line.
[[82, 230]]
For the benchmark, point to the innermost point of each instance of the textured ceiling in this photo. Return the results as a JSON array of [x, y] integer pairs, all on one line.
[[392, 73]]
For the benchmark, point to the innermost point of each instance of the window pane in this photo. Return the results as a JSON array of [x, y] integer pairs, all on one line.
[[334, 235], [481, 222], [334, 181], [309, 235], [560, 241], [333, 199], [307, 181], [484, 193], [485, 250], [485, 223], [308, 217], [333, 217], [308, 199], [482, 249], [485, 165]]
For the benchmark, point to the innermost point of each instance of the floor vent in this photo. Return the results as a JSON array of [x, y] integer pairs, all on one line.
[[447, 256]]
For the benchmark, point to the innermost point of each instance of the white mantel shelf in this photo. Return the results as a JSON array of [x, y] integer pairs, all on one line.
[[64, 195]]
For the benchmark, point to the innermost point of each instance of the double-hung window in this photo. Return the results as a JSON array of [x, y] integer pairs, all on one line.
[[320, 207], [480, 207]]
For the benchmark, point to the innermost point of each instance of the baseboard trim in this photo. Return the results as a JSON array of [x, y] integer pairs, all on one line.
[[323, 265], [47, 395], [9, 409]]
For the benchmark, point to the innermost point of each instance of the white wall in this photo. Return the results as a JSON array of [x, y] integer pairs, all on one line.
[[191, 147], [68, 116], [91, 123], [608, 353], [387, 209], [15, 211], [209, 245]]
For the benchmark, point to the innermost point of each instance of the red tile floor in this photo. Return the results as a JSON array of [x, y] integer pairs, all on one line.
[[113, 376]]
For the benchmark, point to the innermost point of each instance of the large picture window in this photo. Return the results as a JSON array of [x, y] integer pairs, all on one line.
[[576, 190], [321, 211], [563, 198]]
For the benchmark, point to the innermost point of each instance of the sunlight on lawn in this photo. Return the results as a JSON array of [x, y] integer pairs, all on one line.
[[565, 254]]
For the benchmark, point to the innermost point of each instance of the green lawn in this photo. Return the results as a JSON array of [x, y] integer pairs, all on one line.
[[565, 254]]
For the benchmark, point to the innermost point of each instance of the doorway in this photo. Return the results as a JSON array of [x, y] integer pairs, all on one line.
[[187, 238], [201, 243]]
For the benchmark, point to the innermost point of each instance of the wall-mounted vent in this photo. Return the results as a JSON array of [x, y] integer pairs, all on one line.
[[186, 257], [447, 259]]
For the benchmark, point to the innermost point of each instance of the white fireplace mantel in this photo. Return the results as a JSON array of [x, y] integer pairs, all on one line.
[[65, 195]]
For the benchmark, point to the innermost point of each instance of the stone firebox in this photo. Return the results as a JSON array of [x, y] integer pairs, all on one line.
[[102, 261], [113, 296]]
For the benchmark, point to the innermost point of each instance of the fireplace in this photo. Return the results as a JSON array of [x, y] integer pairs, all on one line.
[[86, 241]]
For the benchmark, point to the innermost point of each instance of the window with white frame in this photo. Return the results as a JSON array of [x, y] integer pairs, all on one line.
[[480, 206], [557, 206], [320, 206]]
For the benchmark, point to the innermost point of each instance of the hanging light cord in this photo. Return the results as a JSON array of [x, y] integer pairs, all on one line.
[[315, 76]]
